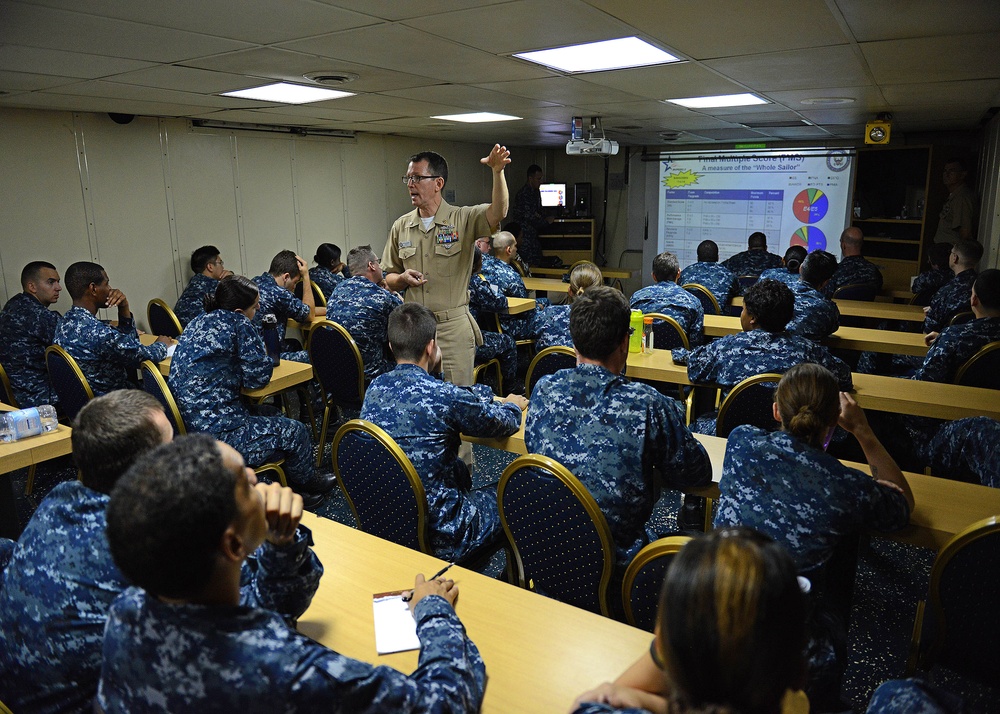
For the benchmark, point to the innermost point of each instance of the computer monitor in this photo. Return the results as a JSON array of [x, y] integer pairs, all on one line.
[[553, 195]]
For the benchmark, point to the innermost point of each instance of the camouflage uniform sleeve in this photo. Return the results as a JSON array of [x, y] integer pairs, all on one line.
[[841, 370], [680, 355], [6, 553], [292, 307], [883, 507], [254, 365], [450, 675], [937, 366], [477, 415], [913, 696], [703, 362], [696, 333], [123, 346], [684, 461], [282, 579], [596, 708], [484, 297]]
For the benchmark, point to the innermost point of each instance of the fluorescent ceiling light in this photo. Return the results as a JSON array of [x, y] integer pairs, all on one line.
[[476, 117], [597, 56], [721, 100], [287, 93]]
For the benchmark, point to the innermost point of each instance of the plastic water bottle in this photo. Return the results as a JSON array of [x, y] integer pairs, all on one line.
[[23, 423], [647, 335], [635, 340], [271, 341]]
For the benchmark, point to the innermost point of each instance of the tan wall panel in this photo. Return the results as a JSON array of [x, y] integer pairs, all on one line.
[[267, 203]]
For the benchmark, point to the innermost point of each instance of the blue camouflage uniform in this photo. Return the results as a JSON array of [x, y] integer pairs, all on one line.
[[281, 303], [187, 658], [729, 360], [326, 279], [426, 417], [967, 450], [751, 262], [104, 353], [526, 211], [613, 435], [716, 277], [950, 300], [363, 308], [552, 328], [782, 275], [26, 328], [930, 281], [219, 354], [816, 316], [954, 346], [191, 303], [674, 301], [62, 580], [854, 270], [498, 273], [496, 345], [913, 696]]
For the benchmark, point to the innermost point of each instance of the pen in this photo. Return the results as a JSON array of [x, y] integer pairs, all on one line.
[[438, 574]]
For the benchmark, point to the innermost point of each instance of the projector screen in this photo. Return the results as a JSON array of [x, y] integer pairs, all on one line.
[[553, 194], [794, 197]]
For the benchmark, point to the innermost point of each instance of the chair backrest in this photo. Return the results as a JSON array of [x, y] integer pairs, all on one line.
[[548, 361], [982, 369], [708, 302], [6, 393], [317, 292], [962, 318], [154, 383], [67, 379], [667, 332], [337, 364], [962, 608], [162, 320], [382, 487], [865, 292], [560, 539], [746, 282], [644, 578], [922, 299], [749, 402]]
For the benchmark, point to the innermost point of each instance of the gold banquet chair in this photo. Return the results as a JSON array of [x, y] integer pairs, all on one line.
[[644, 578], [162, 320], [548, 361], [982, 369]]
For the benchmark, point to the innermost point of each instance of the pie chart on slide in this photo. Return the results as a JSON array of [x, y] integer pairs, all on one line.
[[810, 238], [810, 205]]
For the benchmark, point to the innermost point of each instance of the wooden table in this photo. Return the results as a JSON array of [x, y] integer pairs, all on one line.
[[545, 284], [942, 507], [22, 454], [539, 653], [877, 310], [286, 375], [612, 273], [516, 306], [848, 338]]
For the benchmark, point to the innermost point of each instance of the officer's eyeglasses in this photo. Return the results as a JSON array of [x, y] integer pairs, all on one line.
[[407, 180]]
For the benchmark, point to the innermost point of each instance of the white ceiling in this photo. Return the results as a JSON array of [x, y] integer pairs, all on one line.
[[934, 64]]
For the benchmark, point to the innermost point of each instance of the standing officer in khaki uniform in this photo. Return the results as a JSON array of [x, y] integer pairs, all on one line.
[[430, 251]]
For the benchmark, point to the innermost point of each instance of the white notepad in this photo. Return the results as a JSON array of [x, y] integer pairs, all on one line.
[[395, 628]]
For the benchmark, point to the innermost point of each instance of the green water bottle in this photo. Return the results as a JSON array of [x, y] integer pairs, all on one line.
[[635, 339]]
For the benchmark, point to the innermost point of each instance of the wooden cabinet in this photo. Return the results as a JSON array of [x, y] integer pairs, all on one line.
[[890, 193], [571, 239]]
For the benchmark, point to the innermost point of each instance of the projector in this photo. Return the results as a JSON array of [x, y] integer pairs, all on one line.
[[591, 147]]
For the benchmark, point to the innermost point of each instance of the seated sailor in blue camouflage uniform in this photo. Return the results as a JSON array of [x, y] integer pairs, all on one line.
[[763, 346], [711, 274], [816, 316], [914, 696], [953, 297], [788, 273], [104, 353], [62, 580], [208, 268], [853, 268], [926, 285], [967, 450], [665, 296], [500, 346], [221, 353], [362, 305], [179, 525], [500, 273], [427, 417], [27, 327], [552, 323], [784, 484], [755, 259], [621, 439], [277, 298], [329, 270]]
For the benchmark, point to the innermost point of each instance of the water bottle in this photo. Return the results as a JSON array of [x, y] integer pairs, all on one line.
[[635, 339], [271, 340], [647, 335], [23, 423]]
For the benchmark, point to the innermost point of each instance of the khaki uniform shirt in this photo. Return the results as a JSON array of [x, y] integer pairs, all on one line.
[[959, 211]]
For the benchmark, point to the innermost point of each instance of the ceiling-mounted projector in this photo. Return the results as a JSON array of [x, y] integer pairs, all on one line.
[[591, 147]]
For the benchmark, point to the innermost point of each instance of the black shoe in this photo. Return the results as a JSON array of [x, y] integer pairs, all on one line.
[[311, 500], [322, 484], [692, 514]]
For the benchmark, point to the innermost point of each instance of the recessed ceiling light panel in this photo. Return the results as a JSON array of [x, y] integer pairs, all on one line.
[[598, 56], [720, 100], [287, 93], [477, 117], [827, 101]]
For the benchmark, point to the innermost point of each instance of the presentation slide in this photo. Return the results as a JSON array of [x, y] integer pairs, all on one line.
[[794, 198]]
